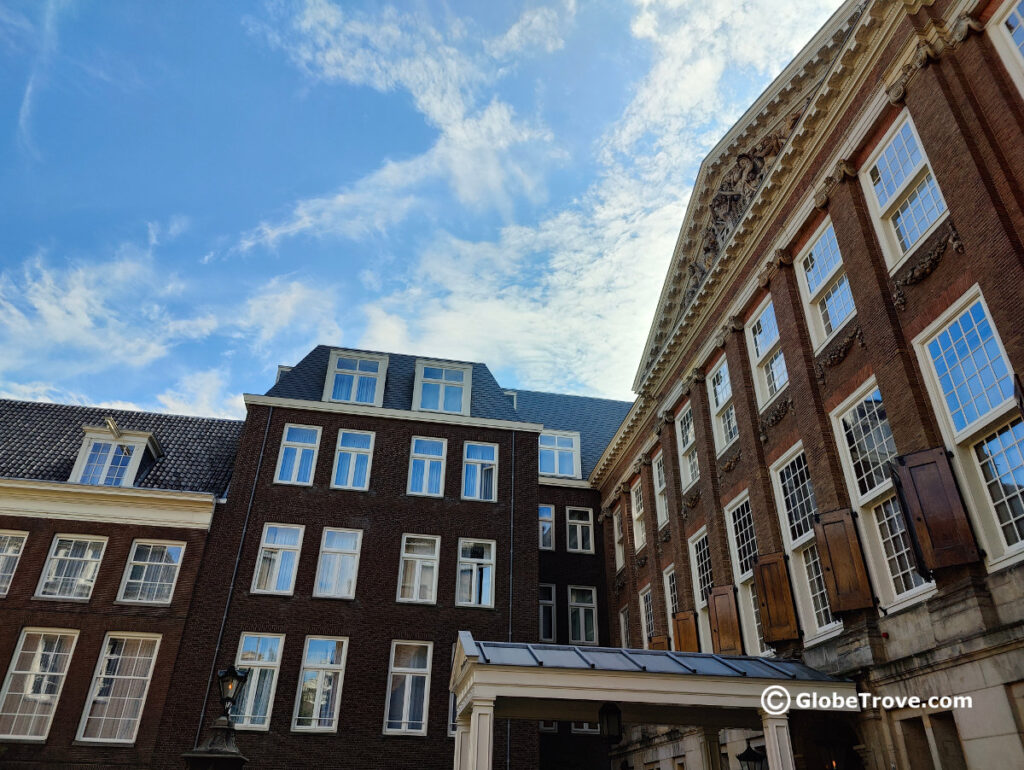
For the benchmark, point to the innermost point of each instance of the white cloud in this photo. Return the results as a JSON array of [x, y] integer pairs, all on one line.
[[203, 393], [47, 47], [536, 28], [289, 312]]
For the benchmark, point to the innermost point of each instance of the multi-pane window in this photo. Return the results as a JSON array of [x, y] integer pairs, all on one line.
[[1014, 25], [869, 441], [559, 455], [896, 547], [297, 459], [582, 615], [278, 559], [647, 613], [426, 467], [443, 388], [671, 591], [660, 490], [743, 538], [970, 366], [904, 192], [723, 410], [71, 568], [338, 567], [756, 612], [260, 656], [639, 530], [119, 688], [1001, 457], [825, 286], [11, 546], [476, 573], [689, 470], [151, 572], [624, 627], [356, 380], [702, 568], [417, 578], [546, 527], [34, 680], [353, 459], [816, 583], [620, 545], [107, 464], [320, 681], [480, 472], [798, 497], [408, 688], [579, 525], [766, 351], [547, 612]]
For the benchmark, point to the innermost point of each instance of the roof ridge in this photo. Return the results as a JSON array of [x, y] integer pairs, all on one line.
[[120, 409]]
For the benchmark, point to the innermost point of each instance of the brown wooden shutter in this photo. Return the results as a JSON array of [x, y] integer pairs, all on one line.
[[934, 511], [659, 642], [725, 621], [775, 598], [842, 561], [684, 627]]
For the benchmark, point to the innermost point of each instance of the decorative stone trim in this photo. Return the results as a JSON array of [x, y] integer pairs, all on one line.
[[837, 352], [624, 488], [731, 462], [666, 534], [964, 26], [620, 583], [691, 501], [641, 561], [926, 265], [843, 170], [924, 54], [774, 416]]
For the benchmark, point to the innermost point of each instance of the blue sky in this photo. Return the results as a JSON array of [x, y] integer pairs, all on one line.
[[193, 193]]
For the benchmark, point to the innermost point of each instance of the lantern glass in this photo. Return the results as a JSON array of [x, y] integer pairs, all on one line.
[[752, 759], [610, 719], [231, 682]]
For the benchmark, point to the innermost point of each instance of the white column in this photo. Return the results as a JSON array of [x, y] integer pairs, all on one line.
[[481, 734], [776, 741], [702, 749], [462, 743], [711, 748]]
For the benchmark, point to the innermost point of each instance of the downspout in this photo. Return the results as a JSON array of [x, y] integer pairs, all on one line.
[[511, 589], [234, 575]]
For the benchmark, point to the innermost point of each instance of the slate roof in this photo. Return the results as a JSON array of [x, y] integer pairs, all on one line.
[[596, 419], [41, 441]]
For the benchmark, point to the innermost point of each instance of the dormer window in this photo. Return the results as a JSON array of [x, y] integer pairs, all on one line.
[[443, 387], [107, 463], [559, 454], [111, 457], [355, 378]]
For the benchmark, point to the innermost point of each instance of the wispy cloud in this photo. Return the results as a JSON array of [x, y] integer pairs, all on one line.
[[47, 47], [541, 28], [203, 393]]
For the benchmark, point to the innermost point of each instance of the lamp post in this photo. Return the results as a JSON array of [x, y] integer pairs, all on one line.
[[219, 751], [752, 759]]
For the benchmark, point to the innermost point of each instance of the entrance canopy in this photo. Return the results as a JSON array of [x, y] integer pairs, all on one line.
[[503, 680]]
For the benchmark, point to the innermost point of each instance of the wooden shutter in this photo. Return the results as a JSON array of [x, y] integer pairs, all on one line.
[[933, 509], [659, 642], [842, 562], [725, 621], [684, 627], [775, 598]]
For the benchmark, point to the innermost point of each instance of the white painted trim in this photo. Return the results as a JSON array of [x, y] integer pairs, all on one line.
[[24, 539], [285, 444], [340, 668], [589, 525], [647, 590], [466, 385], [79, 736], [836, 417], [1003, 43], [50, 555], [239, 663], [812, 313], [140, 441], [381, 375], [466, 460], [577, 450], [435, 559], [667, 597], [682, 451], [297, 548], [73, 632], [415, 672], [700, 604], [128, 566], [583, 608], [427, 459], [717, 412], [563, 481], [493, 562], [389, 414], [553, 604], [727, 511], [661, 512], [338, 449], [758, 364], [320, 557]]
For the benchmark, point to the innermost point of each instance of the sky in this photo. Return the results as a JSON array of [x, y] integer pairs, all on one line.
[[192, 193]]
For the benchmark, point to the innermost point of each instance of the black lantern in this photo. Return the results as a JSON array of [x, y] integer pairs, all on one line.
[[610, 719], [752, 759], [231, 681]]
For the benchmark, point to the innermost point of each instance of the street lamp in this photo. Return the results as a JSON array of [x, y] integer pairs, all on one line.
[[231, 681], [219, 751], [610, 719], [752, 759]]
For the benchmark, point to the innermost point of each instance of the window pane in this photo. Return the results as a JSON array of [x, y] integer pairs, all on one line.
[[766, 331], [10, 552], [869, 439], [897, 162], [430, 396], [745, 542], [300, 435], [119, 689], [917, 213], [356, 440], [453, 398], [428, 447], [34, 682], [565, 464], [342, 386], [367, 390], [896, 544], [1001, 457], [547, 461], [837, 305], [798, 496], [823, 258]]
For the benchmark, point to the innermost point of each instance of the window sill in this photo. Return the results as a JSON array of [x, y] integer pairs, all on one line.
[[819, 348], [130, 603], [257, 592], [313, 730], [73, 600], [477, 500], [726, 448], [473, 606], [335, 598], [18, 739], [1008, 558], [761, 407], [253, 728], [101, 742], [582, 553], [431, 603], [349, 489], [823, 635], [425, 494], [915, 247], [909, 599]]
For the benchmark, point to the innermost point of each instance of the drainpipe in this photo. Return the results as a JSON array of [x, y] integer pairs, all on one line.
[[511, 570]]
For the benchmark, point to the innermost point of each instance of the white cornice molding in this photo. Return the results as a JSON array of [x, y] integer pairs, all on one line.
[[554, 481], [117, 505], [390, 414]]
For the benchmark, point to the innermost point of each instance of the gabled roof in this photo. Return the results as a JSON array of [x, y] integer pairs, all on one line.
[[41, 441], [596, 419]]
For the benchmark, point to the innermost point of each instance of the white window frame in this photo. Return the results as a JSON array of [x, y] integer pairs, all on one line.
[[250, 691], [131, 561], [585, 728], [99, 674], [13, 533], [636, 495], [687, 449], [976, 497], [670, 586], [408, 690], [285, 444], [718, 412], [355, 452], [553, 604], [660, 490], [339, 552], [297, 548], [548, 726], [491, 562], [18, 651], [820, 336], [380, 376], [620, 540], [321, 669], [744, 581], [427, 459], [582, 607], [646, 596], [50, 557], [580, 525], [435, 560], [540, 529], [759, 362], [881, 217], [624, 627], [575, 436], [700, 602], [481, 464], [1012, 57], [800, 579], [466, 385], [140, 442]]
